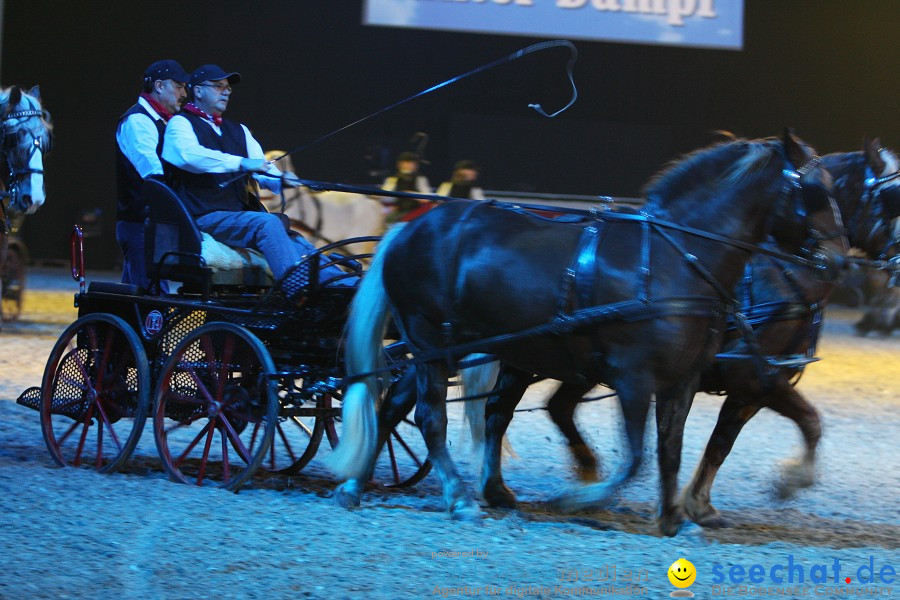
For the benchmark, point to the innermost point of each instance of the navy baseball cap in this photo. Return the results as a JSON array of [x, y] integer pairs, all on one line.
[[213, 73], [166, 69]]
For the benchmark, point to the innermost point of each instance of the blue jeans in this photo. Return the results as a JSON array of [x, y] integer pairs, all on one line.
[[264, 232], [134, 269]]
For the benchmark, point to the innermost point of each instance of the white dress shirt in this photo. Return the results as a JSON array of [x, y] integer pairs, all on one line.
[[183, 150], [138, 137]]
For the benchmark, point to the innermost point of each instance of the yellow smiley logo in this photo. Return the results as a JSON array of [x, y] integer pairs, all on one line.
[[682, 573]]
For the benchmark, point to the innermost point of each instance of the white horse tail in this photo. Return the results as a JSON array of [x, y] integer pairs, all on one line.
[[477, 380], [355, 453]]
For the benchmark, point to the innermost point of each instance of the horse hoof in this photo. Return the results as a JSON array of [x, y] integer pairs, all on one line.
[[501, 497], [703, 513], [712, 520], [347, 495], [465, 510], [670, 524], [795, 475]]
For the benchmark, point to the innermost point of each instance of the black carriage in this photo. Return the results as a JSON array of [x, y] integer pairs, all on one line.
[[237, 373]]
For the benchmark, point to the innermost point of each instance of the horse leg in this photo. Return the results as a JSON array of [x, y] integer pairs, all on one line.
[[400, 399], [561, 407], [672, 408], [737, 409], [511, 385], [634, 398], [800, 472], [431, 417]]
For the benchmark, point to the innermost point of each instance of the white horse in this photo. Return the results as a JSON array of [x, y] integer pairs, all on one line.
[[325, 217], [24, 140]]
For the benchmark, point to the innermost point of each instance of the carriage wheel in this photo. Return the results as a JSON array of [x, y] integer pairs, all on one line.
[[95, 394], [298, 433], [403, 461], [216, 407], [13, 277]]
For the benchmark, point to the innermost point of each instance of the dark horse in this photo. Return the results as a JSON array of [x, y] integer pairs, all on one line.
[[643, 309], [24, 140], [784, 304]]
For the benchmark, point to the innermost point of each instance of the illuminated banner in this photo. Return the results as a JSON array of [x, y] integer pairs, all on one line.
[[702, 23]]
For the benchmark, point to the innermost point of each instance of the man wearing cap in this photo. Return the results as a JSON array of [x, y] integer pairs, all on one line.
[[205, 151], [139, 141]]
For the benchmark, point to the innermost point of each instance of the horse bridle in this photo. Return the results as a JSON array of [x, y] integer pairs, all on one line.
[[875, 218], [37, 143], [794, 190]]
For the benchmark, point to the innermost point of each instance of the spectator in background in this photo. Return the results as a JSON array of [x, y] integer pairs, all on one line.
[[462, 183], [405, 179]]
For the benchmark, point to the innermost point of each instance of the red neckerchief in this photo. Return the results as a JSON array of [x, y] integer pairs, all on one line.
[[159, 108], [192, 108]]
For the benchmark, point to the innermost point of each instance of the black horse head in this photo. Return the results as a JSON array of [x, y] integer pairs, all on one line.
[[24, 140]]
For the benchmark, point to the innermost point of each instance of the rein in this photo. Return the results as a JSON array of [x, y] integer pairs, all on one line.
[[593, 214]]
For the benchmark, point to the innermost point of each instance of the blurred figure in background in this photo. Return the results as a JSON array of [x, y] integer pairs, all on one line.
[[463, 182], [405, 179]]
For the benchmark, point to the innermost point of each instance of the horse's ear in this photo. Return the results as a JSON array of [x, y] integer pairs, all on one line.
[[35, 92], [15, 96], [793, 151], [873, 156]]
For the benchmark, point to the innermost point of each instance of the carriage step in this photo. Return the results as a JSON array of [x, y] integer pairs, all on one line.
[[792, 361], [30, 398]]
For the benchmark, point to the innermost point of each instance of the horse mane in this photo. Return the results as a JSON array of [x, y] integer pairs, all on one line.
[[745, 158], [891, 161]]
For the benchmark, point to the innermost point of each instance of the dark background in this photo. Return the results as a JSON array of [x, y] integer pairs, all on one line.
[[828, 68]]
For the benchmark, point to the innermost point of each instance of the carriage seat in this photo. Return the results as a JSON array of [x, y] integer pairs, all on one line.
[[175, 249]]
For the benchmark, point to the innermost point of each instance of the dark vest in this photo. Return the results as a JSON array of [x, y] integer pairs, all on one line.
[[461, 190], [200, 192], [407, 182], [128, 181]]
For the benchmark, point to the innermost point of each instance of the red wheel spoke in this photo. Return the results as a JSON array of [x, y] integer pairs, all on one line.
[[108, 423], [193, 443], [72, 382], [201, 387], [101, 367], [224, 365], [99, 461], [68, 432], [287, 445], [253, 436], [67, 404], [409, 450], [206, 345], [393, 460], [204, 459], [80, 448], [84, 374], [226, 470], [185, 423], [236, 440]]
